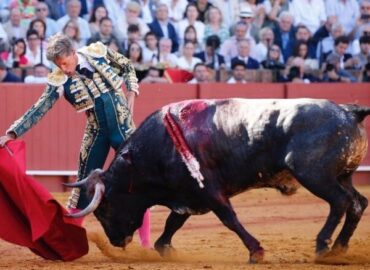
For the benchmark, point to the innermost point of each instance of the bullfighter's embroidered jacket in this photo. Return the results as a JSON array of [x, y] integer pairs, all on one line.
[[111, 69]]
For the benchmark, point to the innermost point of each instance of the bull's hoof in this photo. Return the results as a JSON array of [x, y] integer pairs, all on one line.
[[167, 251], [322, 252], [256, 256], [322, 255], [338, 250]]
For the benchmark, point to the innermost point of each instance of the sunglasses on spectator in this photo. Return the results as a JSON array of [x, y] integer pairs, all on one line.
[[41, 9]]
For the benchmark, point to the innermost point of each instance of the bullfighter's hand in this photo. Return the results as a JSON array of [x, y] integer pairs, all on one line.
[[5, 139]]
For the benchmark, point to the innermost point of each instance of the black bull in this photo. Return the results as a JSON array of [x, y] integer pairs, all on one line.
[[240, 144]]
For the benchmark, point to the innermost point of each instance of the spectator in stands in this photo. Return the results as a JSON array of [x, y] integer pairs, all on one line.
[[27, 8], [40, 74], [40, 26], [244, 55], [187, 61], [284, 34], [364, 20], [229, 49], [202, 6], [274, 59], [162, 27], [176, 9], [214, 25], [246, 16], [36, 52], [273, 9], [73, 13], [97, 14], [230, 11], [210, 56], [324, 30], [346, 60], [154, 75], [16, 58], [115, 9], [166, 58], [346, 11], [190, 35], [258, 10], [7, 76], [334, 73], [72, 30], [133, 35], [365, 74], [130, 17], [304, 34], [115, 46], [295, 72], [238, 73], [266, 39], [42, 13], [150, 50], [191, 18], [310, 13], [13, 27], [148, 9], [201, 74], [4, 42], [326, 45], [135, 55], [361, 59], [4, 10], [57, 8], [105, 34], [301, 50]]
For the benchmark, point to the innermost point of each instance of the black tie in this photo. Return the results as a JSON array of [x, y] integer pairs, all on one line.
[[85, 72]]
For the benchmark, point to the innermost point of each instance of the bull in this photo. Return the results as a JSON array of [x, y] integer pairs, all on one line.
[[239, 144]]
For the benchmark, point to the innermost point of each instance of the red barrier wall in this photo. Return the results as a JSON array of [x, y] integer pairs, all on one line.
[[154, 96], [54, 143]]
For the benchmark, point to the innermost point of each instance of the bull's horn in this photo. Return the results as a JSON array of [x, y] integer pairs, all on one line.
[[76, 184], [98, 195]]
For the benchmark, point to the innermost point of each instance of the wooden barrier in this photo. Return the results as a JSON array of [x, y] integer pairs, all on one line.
[[53, 145], [154, 96]]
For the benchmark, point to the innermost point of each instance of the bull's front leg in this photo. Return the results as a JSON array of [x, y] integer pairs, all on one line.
[[173, 223], [221, 206]]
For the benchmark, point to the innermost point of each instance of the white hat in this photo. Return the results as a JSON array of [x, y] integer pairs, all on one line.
[[246, 12]]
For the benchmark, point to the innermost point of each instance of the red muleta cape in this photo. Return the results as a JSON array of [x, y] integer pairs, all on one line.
[[30, 216]]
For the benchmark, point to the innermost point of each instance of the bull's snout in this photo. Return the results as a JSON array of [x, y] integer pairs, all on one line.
[[122, 243]]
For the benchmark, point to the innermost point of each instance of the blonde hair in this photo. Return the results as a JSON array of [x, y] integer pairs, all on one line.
[[58, 45]]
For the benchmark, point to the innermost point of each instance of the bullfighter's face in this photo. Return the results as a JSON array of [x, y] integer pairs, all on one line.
[[120, 215], [68, 63]]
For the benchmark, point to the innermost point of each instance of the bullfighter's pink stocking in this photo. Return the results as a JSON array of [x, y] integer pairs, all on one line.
[[144, 230]]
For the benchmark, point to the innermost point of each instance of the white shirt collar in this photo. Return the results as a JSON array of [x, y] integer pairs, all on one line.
[[84, 63]]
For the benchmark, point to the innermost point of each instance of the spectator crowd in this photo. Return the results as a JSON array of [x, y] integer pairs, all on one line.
[[196, 40]]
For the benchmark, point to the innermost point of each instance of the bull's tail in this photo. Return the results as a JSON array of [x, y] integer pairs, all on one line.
[[358, 110]]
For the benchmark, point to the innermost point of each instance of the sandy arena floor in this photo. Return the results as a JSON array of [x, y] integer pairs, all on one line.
[[286, 227]]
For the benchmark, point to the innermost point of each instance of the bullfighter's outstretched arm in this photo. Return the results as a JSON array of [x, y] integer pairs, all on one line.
[[36, 112]]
